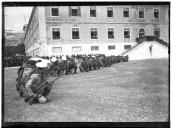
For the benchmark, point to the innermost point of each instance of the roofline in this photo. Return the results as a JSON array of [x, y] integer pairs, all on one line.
[[31, 16], [129, 50]]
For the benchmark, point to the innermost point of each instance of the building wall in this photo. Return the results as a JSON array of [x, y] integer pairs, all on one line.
[[42, 28], [32, 34], [86, 49], [85, 33], [102, 14], [102, 22]]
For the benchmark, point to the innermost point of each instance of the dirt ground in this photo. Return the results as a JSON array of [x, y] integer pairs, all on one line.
[[135, 91]]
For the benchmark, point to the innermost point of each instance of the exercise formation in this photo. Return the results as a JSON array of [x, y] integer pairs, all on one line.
[[33, 81]]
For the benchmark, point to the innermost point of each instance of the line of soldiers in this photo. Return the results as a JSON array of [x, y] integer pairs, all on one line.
[[33, 83], [12, 61]]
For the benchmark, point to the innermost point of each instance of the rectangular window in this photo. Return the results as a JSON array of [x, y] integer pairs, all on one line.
[[93, 11], [109, 12], [156, 13], [126, 32], [74, 11], [126, 12], [55, 33], [111, 47], [75, 33], [127, 46], [76, 49], [57, 49], [157, 32], [94, 33], [141, 12], [110, 33], [54, 12], [94, 48]]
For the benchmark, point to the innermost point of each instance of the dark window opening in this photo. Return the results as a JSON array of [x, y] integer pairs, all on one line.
[[54, 11], [94, 48], [56, 33], [110, 12], [141, 32], [75, 12], [156, 13], [75, 33], [110, 33], [111, 47], [94, 33], [126, 33], [92, 13], [127, 46], [157, 32], [141, 13], [126, 12]]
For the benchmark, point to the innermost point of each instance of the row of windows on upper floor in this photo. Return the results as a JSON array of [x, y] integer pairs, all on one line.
[[94, 33], [76, 11]]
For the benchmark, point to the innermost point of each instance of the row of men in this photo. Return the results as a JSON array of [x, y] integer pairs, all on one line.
[[81, 63], [18, 60], [13, 61], [32, 75]]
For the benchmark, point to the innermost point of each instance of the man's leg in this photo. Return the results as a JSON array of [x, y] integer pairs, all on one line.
[[47, 89]]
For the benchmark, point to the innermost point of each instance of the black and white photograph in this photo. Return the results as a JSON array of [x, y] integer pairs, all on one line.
[[87, 62]]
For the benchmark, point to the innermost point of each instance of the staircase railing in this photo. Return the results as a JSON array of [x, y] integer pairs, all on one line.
[[151, 38]]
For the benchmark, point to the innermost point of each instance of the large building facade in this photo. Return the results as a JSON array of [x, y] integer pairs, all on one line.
[[111, 30]]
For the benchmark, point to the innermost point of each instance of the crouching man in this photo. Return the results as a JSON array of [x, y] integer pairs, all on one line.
[[37, 86]]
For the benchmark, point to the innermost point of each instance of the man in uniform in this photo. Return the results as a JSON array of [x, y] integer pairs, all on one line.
[[36, 81], [24, 72]]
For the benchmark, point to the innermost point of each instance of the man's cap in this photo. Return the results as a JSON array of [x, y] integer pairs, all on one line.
[[63, 57], [41, 65], [53, 59], [35, 59], [46, 61]]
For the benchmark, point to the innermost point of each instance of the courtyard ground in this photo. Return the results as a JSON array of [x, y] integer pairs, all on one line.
[[125, 92]]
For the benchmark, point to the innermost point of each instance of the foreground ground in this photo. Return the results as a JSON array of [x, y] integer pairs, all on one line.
[[125, 92]]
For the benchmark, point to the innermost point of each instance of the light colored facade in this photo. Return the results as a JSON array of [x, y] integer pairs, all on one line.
[[147, 50], [110, 30]]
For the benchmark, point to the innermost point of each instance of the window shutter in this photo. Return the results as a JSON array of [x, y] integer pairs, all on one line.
[[70, 11]]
